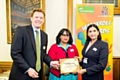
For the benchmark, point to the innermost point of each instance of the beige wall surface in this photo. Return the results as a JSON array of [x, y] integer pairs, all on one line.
[[4, 47], [56, 18]]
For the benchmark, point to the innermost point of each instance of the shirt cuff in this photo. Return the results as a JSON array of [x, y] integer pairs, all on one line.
[[26, 71]]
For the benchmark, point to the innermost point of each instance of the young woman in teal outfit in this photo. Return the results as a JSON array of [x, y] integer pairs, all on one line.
[[63, 48]]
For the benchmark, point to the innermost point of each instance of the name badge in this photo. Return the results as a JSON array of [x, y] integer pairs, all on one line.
[[85, 60]]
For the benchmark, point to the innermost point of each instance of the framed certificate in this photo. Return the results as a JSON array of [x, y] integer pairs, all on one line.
[[69, 65]]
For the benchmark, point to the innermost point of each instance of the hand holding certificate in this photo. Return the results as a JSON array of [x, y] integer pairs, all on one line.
[[69, 65]]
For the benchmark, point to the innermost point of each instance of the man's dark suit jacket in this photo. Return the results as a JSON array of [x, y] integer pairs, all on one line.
[[97, 56], [23, 53]]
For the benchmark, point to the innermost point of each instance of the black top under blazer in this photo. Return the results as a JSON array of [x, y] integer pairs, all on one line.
[[97, 56], [23, 53]]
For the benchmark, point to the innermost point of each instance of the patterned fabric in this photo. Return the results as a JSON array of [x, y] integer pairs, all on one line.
[[63, 77]]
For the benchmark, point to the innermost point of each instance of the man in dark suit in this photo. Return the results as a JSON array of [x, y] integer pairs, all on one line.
[[23, 50]]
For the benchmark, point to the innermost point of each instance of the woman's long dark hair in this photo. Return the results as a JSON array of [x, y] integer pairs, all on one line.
[[95, 26]]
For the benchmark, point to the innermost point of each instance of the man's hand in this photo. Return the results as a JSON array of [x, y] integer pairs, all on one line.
[[32, 73], [55, 64]]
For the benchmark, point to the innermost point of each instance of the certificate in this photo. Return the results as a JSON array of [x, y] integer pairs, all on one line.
[[69, 65]]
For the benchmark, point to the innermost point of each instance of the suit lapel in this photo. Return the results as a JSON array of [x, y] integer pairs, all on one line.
[[84, 49], [91, 48], [41, 39], [31, 35]]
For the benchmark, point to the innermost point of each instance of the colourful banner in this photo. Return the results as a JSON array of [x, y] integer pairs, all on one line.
[[101, 15]]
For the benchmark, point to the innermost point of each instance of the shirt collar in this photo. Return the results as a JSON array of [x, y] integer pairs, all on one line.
[[60, 45], [34, 29]]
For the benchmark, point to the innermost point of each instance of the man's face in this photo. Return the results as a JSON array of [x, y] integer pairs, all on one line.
[[37, 19]]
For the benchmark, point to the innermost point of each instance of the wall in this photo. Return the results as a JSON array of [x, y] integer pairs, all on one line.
[[116, 39], [56, 18], [4, 47], [56, 13]]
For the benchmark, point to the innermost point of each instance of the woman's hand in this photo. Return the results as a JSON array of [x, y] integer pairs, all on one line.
[[82, 71], [79, 59]]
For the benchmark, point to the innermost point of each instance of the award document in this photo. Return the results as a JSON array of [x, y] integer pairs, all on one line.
[[69, 65]]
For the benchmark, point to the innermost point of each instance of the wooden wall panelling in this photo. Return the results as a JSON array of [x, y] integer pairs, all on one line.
[[116, 68], [5, 66]]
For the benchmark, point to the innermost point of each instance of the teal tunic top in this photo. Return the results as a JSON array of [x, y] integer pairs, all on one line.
[[64, 77]]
